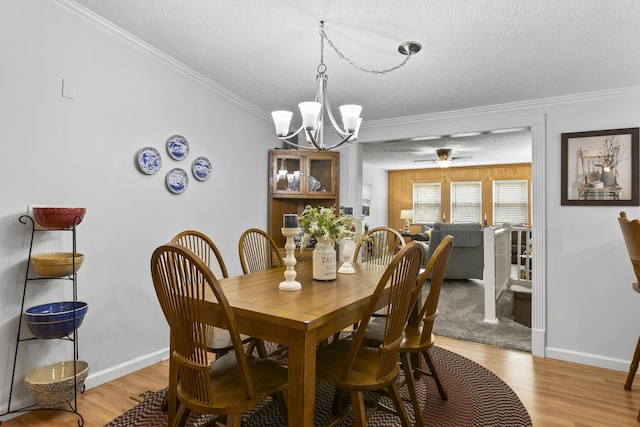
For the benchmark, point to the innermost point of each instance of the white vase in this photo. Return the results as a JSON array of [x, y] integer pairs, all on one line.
[[324, 260], [347, 256]]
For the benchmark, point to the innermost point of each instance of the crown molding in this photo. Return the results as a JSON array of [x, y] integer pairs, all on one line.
[[97, 22], [502, 108]]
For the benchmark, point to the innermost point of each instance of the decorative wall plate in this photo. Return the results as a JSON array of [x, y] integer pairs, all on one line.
[[177, 147], [149, 160], [201, 168], [177, 180]]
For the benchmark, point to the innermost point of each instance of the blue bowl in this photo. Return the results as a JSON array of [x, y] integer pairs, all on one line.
[[56, 319]]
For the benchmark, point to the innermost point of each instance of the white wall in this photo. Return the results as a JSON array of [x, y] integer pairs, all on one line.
[[379, 181], [62, 152]]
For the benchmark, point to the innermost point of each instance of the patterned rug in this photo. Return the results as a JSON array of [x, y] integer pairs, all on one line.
[[477, 397]]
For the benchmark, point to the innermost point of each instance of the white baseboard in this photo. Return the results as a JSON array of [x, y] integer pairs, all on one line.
[[588, 359], [97, 378]]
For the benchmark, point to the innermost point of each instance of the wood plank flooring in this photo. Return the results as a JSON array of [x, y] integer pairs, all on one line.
[[555, 393]]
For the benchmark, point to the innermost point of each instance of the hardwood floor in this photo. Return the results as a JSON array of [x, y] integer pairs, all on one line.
[[555, 393]]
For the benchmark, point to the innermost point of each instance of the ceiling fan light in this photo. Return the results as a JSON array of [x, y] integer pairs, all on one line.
[[443, 153], [443, 163]]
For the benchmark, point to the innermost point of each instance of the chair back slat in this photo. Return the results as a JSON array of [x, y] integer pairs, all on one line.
[[435, 269], [380, 247], [400, 277], [201, 245], [181, 280], [258, 251]]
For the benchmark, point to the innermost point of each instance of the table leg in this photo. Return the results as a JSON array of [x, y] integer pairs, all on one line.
[[302, 377]]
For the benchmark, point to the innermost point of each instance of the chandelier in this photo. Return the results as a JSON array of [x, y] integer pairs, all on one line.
[[313, 113]]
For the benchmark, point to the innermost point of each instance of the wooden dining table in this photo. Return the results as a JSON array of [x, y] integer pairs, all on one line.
[[299, 319]]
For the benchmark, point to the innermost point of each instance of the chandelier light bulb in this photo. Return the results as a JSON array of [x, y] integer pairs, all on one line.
[[354, 137], [282, 120], [310, 112], [350, 115]]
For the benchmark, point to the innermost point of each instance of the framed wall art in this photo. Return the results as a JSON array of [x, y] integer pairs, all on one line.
[[600, 168]]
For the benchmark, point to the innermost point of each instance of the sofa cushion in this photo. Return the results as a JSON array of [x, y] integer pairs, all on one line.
[[465, 235]]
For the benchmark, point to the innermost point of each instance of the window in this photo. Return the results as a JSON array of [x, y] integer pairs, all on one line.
[[510, 201], [426, 202], [466, 201]]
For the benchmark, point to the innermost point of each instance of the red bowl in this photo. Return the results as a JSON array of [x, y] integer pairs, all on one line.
[[58, 218]]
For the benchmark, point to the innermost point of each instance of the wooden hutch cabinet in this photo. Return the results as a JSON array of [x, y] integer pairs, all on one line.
[[298, 178]]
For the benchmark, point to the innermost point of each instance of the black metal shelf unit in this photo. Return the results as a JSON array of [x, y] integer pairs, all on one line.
[[73, 337]]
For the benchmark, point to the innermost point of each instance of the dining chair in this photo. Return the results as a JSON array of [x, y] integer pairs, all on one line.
[[229, 385], [258, 251], [631, 233], [378, 247], [354, 368], [218, 339], [417, 337]]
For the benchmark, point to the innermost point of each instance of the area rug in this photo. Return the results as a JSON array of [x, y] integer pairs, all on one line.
[[477, 397], [461, 316]]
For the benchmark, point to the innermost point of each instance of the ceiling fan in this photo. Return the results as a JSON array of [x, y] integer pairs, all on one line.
[[443, 158]]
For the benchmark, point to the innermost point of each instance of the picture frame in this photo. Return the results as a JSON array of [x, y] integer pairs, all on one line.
[[600, 168]]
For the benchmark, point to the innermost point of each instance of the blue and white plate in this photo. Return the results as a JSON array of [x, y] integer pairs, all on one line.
[[201, 168], [177, 147], [149, 160], [177, 180]]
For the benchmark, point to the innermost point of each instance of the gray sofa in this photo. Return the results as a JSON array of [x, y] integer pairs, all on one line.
[[467, 256]]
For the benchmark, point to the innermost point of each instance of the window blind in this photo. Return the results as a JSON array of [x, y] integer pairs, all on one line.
[[510, 201], [426, 202], [466, 201]]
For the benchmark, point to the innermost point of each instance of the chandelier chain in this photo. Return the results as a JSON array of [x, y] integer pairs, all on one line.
[[323, 36]]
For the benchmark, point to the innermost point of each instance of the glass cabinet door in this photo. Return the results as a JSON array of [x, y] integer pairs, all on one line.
[[322, 175], [287, 172]]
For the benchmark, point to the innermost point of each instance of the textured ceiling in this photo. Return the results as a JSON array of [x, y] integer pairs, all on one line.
[[475, 52]]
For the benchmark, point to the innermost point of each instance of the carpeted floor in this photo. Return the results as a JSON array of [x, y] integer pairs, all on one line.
[[476, 398], [461, 314]]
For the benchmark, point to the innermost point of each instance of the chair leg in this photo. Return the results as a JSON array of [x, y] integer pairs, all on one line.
[[394, 393], [282, 403], [411, 384], [170, 399], [633, 368], [262, 351], [336, 406], [359, 410], [434, 374], [181, 417], [234, 420]]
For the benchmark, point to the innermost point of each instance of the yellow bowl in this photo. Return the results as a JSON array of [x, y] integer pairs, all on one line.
[[51, 386], [56, 264]]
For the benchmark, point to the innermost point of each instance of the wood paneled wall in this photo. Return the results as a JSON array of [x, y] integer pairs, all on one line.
[[401, 187]]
